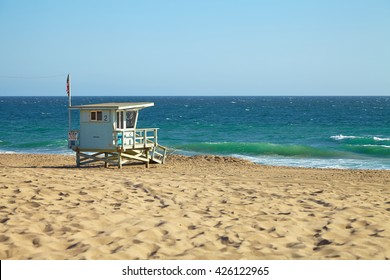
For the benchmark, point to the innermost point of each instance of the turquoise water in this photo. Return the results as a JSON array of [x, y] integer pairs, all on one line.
[[341, 132]]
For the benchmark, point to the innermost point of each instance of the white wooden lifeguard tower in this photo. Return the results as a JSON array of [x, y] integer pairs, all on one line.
[[108, 132]]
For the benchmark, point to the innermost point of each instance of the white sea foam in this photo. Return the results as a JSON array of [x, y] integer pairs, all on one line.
[[341, 137], [317, 163], [7, 152], [381, 139], [382, 146]]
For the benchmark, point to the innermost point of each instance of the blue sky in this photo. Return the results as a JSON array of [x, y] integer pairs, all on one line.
[[195, 47]]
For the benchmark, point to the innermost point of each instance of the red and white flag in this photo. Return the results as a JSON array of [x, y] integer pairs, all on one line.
[[68, 85]]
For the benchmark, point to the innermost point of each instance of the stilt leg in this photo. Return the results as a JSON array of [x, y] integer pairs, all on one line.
[[78, 159], [148, 159], [105, 157], [119, 160]]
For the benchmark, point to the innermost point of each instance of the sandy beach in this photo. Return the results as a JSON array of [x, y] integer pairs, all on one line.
[[201, 207]]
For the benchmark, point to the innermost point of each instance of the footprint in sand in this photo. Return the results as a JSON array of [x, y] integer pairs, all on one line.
[[48, 228], [321, 243], [34, 204], [36, 242], [4, 238], [4, 220], [296, 245]]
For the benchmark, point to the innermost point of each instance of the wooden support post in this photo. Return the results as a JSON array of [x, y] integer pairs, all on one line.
[[106, 162], [120, 160], [147, 157], [78, 158]]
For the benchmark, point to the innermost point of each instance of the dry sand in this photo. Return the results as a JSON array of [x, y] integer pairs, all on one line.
[[202, 207]]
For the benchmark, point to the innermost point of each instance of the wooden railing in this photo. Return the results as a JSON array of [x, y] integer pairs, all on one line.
[[136, 138]]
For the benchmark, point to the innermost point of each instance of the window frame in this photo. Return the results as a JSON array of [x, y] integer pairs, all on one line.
[[98, 116]]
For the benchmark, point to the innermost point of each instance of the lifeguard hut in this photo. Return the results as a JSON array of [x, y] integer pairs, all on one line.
[[108, 132]]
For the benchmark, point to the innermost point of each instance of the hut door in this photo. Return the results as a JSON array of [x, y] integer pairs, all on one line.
[[119, 120]]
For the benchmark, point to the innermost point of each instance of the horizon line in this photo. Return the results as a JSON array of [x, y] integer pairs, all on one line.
[[287, 95]]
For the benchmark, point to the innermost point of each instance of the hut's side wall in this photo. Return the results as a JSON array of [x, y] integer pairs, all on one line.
[[96, 135]]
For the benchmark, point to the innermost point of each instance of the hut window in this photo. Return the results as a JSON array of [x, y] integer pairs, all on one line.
[[130, 119], [96, 115]]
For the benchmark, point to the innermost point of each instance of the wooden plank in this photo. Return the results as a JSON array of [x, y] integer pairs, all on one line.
[[139, 157], [136, 153], [84, 157], [93, 158], [88, 162]]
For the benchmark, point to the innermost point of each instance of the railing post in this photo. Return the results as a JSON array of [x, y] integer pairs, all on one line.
[[133, 140], [155, 136], [116, 132]]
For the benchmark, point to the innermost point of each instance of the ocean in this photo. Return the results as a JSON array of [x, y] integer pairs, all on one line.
[[320, 132]]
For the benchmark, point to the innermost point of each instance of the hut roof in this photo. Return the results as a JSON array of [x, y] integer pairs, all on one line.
[[115, 106]]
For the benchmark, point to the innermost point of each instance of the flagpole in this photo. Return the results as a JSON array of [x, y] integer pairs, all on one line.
[[68, 90]]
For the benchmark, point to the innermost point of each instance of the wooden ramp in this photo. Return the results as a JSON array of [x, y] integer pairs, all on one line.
[[159, 154]]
